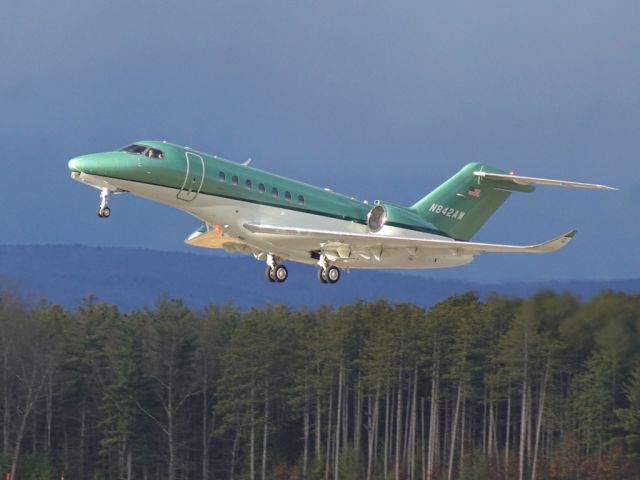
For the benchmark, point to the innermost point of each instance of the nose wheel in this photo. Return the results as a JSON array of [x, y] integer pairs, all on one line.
[[329, 274], [104, 212]]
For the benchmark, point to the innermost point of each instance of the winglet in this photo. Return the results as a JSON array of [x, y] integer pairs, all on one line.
[[554, 244]]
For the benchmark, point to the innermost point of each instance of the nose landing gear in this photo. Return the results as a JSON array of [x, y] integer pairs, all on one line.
[[103, 210]]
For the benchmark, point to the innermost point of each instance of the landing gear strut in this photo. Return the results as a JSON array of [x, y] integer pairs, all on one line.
[[275, 272], [327, 273], [103, 210]]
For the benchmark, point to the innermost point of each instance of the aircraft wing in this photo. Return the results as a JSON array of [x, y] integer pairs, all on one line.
[[324, 238], [520, 180]]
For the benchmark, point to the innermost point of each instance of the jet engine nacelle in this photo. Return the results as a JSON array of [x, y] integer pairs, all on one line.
[[377, 218], [394, 216]]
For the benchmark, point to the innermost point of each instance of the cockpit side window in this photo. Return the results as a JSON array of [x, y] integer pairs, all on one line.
[[134, 148], [154, 153]]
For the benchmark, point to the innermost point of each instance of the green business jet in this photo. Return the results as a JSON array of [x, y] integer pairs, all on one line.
[[274, 218]]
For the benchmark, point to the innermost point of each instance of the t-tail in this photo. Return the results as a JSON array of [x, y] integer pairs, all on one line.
[[461, 205]]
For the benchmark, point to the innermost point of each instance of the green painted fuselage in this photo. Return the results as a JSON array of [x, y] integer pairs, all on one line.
[[231, 199], [171, 172]]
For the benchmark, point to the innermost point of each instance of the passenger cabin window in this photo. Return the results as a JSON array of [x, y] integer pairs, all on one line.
[[274, 192], [154, 153], [248, 185], [134, 148], [287, 196], [261, 188], [234, 180], [300, 200], [222, 177]]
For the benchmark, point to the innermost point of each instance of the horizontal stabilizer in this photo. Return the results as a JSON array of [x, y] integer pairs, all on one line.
[[368, 240], [520, 180]]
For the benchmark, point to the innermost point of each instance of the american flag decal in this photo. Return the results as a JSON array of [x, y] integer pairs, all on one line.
[[474, 192]]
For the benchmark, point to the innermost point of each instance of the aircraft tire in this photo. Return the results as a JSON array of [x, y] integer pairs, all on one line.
[[322, 277], [332, 274], [280, 273], [104, 212], [269, 275]]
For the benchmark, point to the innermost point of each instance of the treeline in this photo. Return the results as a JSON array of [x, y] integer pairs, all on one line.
[[546, 387]]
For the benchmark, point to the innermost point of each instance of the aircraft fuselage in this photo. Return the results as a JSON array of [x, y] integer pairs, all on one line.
[[226, 196]]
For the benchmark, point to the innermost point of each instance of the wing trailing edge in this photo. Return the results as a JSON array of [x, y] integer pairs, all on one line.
[[365, 240]]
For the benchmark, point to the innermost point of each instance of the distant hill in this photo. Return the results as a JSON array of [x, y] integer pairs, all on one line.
[[134, 278]]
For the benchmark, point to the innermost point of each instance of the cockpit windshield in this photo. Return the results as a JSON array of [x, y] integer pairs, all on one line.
[[137, 149]]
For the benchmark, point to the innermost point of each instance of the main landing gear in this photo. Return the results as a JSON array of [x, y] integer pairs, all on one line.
[[327, 273], [278, 273], [103, 210], [275, 271]]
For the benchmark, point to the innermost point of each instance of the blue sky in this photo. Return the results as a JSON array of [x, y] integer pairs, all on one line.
[[379, 100]]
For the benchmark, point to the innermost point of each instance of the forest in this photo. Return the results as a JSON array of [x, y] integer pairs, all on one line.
[[546, 387]]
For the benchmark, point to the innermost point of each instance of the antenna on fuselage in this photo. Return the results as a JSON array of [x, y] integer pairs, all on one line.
[[247, 162]]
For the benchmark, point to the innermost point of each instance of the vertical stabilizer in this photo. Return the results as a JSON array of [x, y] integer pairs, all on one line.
[[462, 204]]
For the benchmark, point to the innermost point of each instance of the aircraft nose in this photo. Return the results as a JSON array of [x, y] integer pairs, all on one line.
[[74, 165], [86, 164]]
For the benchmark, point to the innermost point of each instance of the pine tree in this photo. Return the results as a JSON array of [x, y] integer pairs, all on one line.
[[123, 423], [629, 418], [594, 399], [214, 330], [171, 348], [84, 372]]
